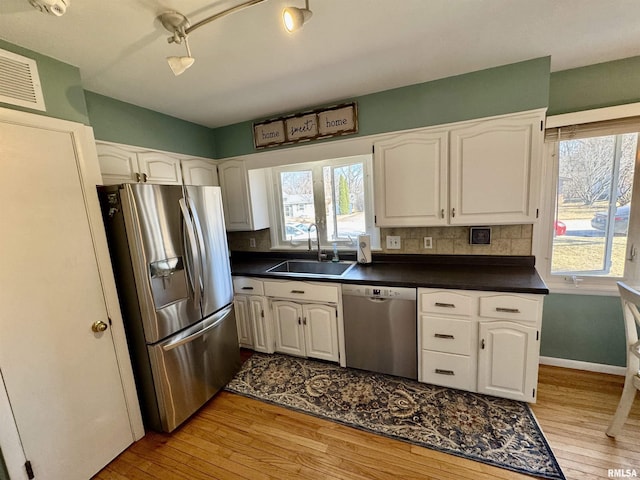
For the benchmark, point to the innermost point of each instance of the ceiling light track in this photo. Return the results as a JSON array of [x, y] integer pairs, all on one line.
[[178, 25]]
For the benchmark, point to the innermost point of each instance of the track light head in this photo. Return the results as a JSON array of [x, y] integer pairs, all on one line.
[[294, 18], [178, 65]]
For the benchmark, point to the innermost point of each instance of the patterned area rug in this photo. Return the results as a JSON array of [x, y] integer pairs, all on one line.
[[500, 432]]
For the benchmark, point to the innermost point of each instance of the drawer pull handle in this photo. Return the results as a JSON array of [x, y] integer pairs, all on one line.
[[297, 291], [507, 310], [443, 335], [446, 305], [247, 288], [440, 371]]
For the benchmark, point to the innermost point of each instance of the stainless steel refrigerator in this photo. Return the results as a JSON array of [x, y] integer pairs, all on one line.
[[171, 262]]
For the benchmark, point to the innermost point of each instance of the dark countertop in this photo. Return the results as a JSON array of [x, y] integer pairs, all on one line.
[[465, 272]]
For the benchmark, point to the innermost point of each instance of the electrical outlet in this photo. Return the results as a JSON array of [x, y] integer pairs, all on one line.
[[393, 242], [428, 242], [252, 242]]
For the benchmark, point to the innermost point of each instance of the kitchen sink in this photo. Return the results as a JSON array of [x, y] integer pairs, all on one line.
[[312, 268]]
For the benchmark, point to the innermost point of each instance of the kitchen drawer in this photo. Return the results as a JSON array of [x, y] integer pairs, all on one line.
[[510, 307], [447, 334], [248, 286], [302, 291], [446, 302], [448, 370]]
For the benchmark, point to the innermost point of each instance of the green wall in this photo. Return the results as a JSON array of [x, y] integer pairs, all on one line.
[[583, 327], [120, 122], [595, 86], [61, 87], [506, 89]]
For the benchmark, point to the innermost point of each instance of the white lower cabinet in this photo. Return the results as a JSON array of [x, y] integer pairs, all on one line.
[[306, 318], [306, 330], [485, 342], [253, 316]]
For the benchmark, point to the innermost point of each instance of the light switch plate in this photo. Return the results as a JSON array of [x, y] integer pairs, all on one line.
[[393, 242], [428, 242], [252, 243]]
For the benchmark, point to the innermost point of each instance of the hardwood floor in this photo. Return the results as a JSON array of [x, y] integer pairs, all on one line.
[[233, 437]]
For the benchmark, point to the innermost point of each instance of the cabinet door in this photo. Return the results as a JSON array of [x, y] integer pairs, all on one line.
[[117, 165], [410, 173], [289, 335], [262, 325], [199, 172], [493, 170], [235, 195], [508, 360], [321, 331], [243, 321], [159, 168]]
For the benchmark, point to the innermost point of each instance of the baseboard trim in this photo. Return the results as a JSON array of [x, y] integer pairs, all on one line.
[[578, 365]]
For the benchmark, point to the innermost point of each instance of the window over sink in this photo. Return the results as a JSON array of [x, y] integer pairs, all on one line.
[[334, 195]]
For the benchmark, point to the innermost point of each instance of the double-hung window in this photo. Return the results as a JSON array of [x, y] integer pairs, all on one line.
[[333, 196], [591, 233]]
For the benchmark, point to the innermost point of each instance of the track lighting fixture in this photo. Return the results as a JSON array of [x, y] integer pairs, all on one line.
[[179, 27], [294, 18]]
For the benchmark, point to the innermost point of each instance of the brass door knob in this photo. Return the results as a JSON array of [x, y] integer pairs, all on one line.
[[99, 326]]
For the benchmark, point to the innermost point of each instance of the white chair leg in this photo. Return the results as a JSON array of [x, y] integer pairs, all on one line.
[[624, 407]]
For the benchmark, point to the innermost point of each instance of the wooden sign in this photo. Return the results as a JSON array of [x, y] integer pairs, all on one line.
[[322, 123]]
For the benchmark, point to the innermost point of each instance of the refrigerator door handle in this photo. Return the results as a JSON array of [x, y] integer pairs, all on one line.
[[200, 237], [220, 317], [195, 262]]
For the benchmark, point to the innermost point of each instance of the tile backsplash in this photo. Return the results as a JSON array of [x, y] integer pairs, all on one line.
[[505, 240]]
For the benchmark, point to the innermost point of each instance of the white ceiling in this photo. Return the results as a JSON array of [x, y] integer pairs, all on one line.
[[247, 67]]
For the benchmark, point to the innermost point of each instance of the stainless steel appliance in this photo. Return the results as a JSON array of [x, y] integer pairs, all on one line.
[[170, 257], [380, 331]]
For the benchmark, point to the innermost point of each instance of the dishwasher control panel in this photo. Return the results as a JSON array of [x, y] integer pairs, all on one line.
[[377, 291]]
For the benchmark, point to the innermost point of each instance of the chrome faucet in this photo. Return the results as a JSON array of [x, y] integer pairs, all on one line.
[[317, 240]]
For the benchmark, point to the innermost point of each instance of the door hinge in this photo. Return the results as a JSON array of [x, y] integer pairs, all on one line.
[[29, 469], [336, 313], [541, 125], [262, 313], [373, 149], [537, 334], [534, 393], [537, 212], [110, 323]]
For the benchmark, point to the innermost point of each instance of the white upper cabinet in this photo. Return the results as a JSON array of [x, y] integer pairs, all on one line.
[[492, 166], [478, 172], [244, 197], [128, 164], [410, 174], [156, 167], [199, 172]]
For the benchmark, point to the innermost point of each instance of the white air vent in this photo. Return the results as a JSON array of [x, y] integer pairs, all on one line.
[[19, 81]]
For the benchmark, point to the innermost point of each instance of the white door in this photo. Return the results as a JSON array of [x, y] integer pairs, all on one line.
[[61, 378], [492, 164], [508, 360], [262, 325], [199, 172], [243, 321], [156, 167], [287, 319], [411, 180], [321, 331]]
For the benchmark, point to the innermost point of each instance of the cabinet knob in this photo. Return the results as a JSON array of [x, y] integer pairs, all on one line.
[[137, 177], [299, 321], [442, 213], [453, 212], [482, 344]]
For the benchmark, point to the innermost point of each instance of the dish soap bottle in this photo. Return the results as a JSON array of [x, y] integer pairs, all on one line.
[[335, 253]]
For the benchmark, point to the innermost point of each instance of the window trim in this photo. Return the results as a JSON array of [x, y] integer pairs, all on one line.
[[276, 212], [543, 234]]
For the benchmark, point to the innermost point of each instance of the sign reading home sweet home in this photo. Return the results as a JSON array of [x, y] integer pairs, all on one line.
[[301, 127]]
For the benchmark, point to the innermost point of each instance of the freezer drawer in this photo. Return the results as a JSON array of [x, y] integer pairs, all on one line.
[[191, 366]]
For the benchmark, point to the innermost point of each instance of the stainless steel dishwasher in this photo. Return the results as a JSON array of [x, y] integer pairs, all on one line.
[[380, 329]]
